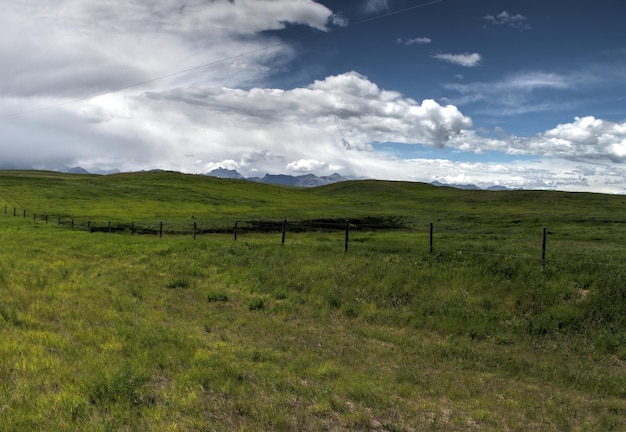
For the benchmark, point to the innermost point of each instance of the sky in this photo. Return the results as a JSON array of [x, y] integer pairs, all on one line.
[[524, 94]]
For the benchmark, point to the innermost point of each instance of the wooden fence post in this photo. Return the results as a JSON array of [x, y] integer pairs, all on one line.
[[543, 248], [235, 230], [161, 229], [14, 210], [72, 223], [24, 214], [46, 219], [284, 230], [345, 246], [109, 227], [430, 229]]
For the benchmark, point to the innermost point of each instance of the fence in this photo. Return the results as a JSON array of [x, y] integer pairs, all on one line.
[[284, 227], [239, 227]]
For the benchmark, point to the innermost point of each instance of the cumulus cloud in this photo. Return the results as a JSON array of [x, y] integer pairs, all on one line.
[[587, 138], [226, 164], [539, 173], [306, 166], [466, 59], [347, 106], [516, 21], [583, 140], [313, 128]]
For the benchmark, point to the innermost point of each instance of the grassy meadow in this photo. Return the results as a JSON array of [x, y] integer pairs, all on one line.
[[118, 332]]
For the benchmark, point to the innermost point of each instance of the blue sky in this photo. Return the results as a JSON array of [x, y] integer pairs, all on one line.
[[541, 62], [521, 94], [574, 51]]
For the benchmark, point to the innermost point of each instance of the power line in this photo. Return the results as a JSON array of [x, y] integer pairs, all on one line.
[[388, 14], [213, 63]]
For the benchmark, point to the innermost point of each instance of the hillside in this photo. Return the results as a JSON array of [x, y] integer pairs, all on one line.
[[116, 331], [174, 196]]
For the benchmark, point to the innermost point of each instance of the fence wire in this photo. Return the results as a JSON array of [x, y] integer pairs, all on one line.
[[416, 240]]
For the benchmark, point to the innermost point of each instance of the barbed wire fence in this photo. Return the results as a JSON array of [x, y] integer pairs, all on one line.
[[437, 239]]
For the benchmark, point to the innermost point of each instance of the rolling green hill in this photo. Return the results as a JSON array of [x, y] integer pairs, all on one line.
[[104, 331], [175, 196]]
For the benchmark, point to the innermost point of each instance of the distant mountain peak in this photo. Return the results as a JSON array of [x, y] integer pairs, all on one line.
[[225, 173], [76, 170], [456, 186]]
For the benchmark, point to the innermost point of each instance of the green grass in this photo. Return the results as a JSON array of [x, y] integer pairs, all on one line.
[[118, 332]]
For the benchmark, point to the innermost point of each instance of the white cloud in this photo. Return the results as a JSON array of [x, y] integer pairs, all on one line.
[[339, 20], [375, 6], [226, 164], [536, 80], [413, 41], [586, 139], [466, 60], [516, 21], [306, 166], [346, 106], [539, 173], [76, 48], [518, 93]]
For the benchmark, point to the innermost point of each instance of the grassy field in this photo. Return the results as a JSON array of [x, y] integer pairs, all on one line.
[[108, 332]]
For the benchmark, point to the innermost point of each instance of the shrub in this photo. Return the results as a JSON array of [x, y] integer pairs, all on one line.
[[217, 297], [256, 304], [122, 386], [180, 282]]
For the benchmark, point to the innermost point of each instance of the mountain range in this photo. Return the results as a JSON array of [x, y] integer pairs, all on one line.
[[305, 180], [311, 180]]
